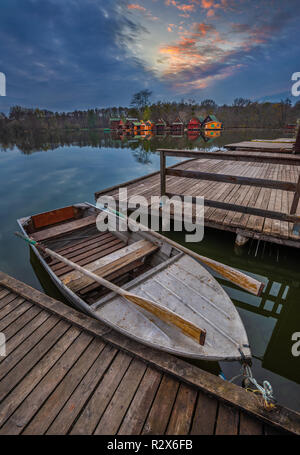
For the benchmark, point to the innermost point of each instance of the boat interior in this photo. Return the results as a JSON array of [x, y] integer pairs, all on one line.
[[119, 256]]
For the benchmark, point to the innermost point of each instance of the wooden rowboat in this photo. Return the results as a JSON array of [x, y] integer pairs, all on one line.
[[145, 266]]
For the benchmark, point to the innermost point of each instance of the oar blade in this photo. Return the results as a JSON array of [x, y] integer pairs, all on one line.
[[168, 316]]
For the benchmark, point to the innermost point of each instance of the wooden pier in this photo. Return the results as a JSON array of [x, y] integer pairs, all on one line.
[[67, 373], [275, 146], [253, 195]]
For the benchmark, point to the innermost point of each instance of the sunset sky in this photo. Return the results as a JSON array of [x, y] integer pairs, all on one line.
[[70, 54]]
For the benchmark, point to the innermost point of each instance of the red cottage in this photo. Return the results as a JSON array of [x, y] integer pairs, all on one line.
[[195, 124], [116, 124]]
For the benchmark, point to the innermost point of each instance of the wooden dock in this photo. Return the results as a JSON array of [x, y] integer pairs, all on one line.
[[67, 373], [253, 195], [275, 146]]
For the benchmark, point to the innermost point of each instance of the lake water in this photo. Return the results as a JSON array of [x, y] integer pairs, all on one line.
[[43, 171]]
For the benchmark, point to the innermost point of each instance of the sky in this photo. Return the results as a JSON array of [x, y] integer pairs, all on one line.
[[80, 54]]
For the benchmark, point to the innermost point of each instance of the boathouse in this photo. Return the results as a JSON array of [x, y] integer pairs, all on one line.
[[177, 126], [116, 123], [195, 124], [160, 125], [212, 123], [129, 123]]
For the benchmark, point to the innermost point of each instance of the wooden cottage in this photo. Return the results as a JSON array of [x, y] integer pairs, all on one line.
[[160, 126], [149, 125], [129, 124], [195, 124], [116, 123], [143, 127], [177, 126], [212, 123]]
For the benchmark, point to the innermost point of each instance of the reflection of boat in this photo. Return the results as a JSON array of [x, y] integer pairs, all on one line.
[[146, 267]]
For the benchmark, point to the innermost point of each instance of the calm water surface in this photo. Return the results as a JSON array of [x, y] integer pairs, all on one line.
[[40, 172]]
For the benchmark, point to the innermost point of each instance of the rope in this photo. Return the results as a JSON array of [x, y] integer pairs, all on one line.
[[265, 390]]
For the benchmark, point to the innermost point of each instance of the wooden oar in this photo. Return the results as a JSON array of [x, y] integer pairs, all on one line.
[[233, 275], [187, 327]]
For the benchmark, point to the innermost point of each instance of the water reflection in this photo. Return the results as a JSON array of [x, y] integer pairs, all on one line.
[[43, 140]]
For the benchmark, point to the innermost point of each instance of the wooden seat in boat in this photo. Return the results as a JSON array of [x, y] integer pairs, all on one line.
[[108, 265], [71, 226]]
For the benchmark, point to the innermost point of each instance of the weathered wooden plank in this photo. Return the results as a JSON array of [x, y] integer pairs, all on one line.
[[7, 298], [21, 336], [74, 405], [87, 256], [32, 377], [90, 258], [80, 247], [236, 156], [55, 402], [249, 425], [110, 263], [20, 418], [115, 411], [250, 210], [161, 409], [227, 420], [28, 342], [3, 293], [182, 413], [55, 231], [55, 216], [32, 358], [234, 179], [22, 321], [136, 414], [205, 415], [21, 307], [96, 406]]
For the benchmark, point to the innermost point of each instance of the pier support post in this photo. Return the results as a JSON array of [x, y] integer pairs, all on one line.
[[162, 173], [241, 240]]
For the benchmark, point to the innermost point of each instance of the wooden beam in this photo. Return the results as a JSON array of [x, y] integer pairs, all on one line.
[[64, 228], [162, 174], [296, 198], [244, 209], [263, 183], [235, 156]]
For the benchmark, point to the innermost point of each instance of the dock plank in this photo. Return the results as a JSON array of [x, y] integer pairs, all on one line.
[[96, 406], [157, 420], [182, 413], [136, 414], [205, 415], [115, 411]]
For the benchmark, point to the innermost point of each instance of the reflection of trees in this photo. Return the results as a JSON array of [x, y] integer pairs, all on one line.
[[36, 140]]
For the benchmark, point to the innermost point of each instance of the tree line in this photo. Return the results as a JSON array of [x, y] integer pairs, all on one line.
[[241, 113]]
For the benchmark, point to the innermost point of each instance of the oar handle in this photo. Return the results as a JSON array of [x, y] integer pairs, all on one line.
[[27, 239]]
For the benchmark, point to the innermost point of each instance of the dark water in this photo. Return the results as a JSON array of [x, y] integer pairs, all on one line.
[[42, 171]]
